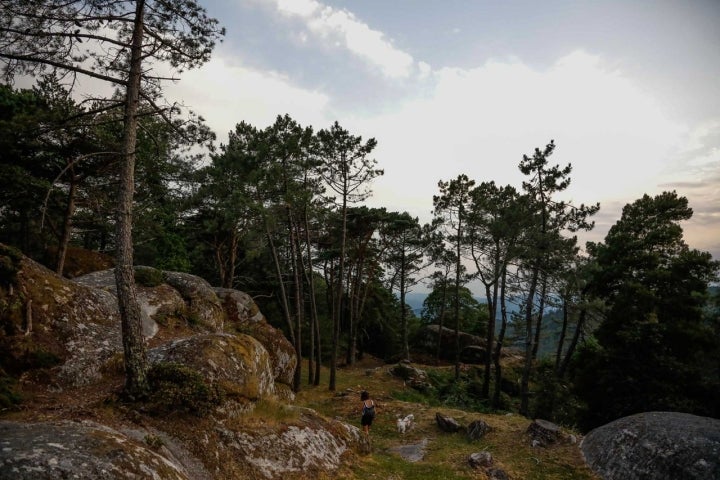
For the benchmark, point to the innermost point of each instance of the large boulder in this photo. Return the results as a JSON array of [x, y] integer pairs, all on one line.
[[305, 450], [428, 337], [239, 363], [204, 307], [47, 321], [156, 302], [655, 445], [413, 376], [33, 451], [244, 316], [240, 308]]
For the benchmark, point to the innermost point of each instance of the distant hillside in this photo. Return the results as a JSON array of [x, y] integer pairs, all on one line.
[[549, 335]]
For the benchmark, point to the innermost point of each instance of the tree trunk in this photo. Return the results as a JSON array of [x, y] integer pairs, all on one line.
[[541, 312], [403, 309], [314, 331], [136, 385], [441, 320], [573, 344], [232, 254], [525, 383], [299, 317], [337, 311], [281, 284], [563, 332], [67, 225], [492, 311], [457, 300], [500, 340]]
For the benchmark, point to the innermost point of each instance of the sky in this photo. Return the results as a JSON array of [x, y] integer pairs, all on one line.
[[628, 90]]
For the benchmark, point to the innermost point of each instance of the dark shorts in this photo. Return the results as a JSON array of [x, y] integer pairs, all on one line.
[[366, 420]]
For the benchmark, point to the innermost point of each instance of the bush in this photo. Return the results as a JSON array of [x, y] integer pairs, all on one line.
[[9, 264], [178, 387], [8, 397], [148, 276], [554, 399]]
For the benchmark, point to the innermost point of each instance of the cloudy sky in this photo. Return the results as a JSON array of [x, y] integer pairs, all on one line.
[[628, 90]]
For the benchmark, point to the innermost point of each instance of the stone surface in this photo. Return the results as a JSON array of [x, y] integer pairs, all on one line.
[[76, 325], [428, 338], [203, 304], [413, 376], [37, 451], [243, 315], [295, 450], [543, 433], [238, 362], [446, 424], [412, 452], [474, 354], [477, 429], [480, 460], [655, 445]]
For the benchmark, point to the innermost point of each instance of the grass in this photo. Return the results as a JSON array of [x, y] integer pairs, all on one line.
[[446, 454]]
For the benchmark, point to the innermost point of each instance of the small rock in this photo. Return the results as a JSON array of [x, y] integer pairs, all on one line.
[[477, 429], [447, 424], [480, 460], [497, 474], [543, 432]]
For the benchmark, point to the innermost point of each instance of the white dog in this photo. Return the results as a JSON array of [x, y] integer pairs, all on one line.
[[404, 424]]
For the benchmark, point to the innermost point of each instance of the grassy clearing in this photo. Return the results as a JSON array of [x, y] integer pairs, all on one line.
[[445, 454]]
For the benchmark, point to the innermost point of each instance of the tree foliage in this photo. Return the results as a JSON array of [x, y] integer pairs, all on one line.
[[655, 350]]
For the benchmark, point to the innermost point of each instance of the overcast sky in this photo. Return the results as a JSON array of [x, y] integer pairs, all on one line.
[[629, 91]]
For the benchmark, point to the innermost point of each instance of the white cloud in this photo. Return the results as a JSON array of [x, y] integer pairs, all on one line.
[[481, 121], [342, 28], [225, 94]]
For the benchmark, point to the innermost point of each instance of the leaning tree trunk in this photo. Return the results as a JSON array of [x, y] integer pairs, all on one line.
[[563, 332], [541, 313], [136, 385], [67, 225], [525, 383], [500, 340], [573, 344]]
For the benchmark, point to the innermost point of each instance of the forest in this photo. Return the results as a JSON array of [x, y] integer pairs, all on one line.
[[279, 212]]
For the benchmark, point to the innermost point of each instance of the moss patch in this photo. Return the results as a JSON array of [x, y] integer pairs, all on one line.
[[176, 387]]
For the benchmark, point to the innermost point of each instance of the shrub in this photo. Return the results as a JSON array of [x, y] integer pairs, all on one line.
[[8, 396], [148, 276]]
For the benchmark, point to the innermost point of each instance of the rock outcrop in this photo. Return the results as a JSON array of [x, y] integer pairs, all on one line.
[[238, 363], [655, 445], [428, 338], [80, 450], [60, 335]]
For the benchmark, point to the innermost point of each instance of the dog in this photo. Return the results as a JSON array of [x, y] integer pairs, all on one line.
[[404, 424]]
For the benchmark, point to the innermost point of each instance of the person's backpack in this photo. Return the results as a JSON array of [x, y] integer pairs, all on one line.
[[369, 411]]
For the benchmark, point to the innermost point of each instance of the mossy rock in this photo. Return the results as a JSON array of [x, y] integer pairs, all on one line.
[[148, 276], [176, 387], [239, 363]]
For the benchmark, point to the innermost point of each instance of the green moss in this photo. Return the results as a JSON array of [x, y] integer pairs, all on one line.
[[192, 318], [148, 276], [176, 387], [8, 397], [9, 264], [39, 358], [153, 441]]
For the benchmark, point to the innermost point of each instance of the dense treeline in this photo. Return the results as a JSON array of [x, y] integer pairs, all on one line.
[[279, 212]]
